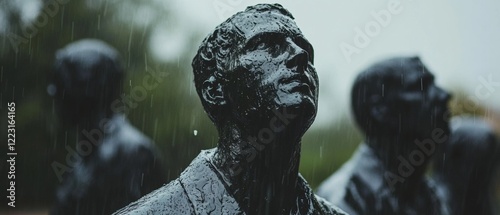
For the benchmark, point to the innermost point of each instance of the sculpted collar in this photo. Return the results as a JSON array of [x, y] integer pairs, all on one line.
[[209, 193]]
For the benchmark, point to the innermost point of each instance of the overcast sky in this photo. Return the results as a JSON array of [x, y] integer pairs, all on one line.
[[458, 40]]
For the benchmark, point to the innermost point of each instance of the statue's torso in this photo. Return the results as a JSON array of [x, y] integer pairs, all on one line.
[[360, 187], [199, 190]]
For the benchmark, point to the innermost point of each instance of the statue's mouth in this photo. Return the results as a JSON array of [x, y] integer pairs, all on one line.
[[299, 82]]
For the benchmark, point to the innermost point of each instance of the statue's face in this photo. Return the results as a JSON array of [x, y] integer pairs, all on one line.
[[273, 70], [83, 92], [421, 104]]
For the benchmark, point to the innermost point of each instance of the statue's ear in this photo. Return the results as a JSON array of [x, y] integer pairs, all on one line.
[[379, 110], [212, 92]]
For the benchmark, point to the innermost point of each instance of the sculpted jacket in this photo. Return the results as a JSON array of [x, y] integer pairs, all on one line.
[[359, 187], [122, 169], [200, 190]]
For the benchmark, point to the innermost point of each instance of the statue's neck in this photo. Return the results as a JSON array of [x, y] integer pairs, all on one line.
[[94, 131], [262, 173], [93, 121], [399, 155]]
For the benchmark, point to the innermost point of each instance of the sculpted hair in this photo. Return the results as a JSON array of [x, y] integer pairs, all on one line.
[[369, 83], [88, 63], [216, 50]]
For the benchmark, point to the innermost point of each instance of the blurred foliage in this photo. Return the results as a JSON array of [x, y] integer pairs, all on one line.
[[171, 115], [325, 149]]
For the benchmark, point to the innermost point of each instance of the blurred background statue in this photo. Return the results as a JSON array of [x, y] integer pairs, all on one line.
[[402, 114], [465, 168], [255, 77], [115, 163]]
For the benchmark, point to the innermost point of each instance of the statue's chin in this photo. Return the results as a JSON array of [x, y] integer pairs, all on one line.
[[304, 105], [295, 99], [305, 112], [296, 113]]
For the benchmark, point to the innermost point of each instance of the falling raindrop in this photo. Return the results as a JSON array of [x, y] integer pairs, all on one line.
[[51, 90], [321, 152], [151, 102], [383, 90], [98, 22], [72, 30]]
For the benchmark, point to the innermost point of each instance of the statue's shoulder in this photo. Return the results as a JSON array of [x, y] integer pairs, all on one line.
[[169, 199], [363, 171], [131, 139], [205, 187], [328, 208], [357, 183], [312, 203], [198, 189], [123, 141]]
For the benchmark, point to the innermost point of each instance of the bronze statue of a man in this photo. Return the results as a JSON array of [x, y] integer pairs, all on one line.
[[118, 163], [466, 167], [403, 116], [255, 77]]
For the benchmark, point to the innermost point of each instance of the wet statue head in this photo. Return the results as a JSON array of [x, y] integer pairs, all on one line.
[[403, 114], [88, 77], [255, 62], [399, 97]]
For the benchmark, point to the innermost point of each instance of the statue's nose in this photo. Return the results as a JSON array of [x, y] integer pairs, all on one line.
[[298, 56]]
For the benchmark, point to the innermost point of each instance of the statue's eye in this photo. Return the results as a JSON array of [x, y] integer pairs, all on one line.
[[261, 45]]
